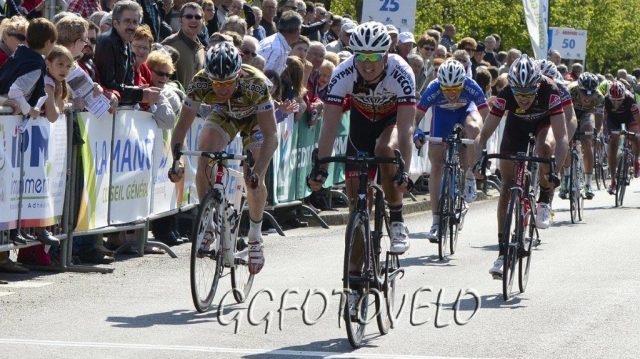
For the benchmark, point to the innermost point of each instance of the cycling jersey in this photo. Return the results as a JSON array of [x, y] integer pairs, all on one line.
[[251, 96], [623, 114], [596, 106], [566, 95], [396, 87], [446, 114], [519, 122]]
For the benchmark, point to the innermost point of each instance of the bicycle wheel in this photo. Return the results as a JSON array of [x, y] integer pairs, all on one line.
[[456, 209], [574, 190], [511, 232], [621, 179], [241, 279], [206, 256], [581, 183], [599, 168], [381, 245], [524, 257], [355, 278], [444, 210]]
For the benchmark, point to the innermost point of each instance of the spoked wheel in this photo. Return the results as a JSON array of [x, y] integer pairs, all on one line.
[[206, 256], [355, 281], [621, 180], [511, 232], [457, 210], [599, 168], [524, 260], [390, 284], [444, 207], [241, 279], [381, 241], [574, 191]]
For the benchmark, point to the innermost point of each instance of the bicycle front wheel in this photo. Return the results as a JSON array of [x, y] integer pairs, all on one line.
[[241, 279], [621, 179], [512, 230], [524, 257], [456, 209], [381, 240], [355, 278], [444, 208], [206, 256]]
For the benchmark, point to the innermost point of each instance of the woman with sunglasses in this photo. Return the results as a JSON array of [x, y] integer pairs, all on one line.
[[381, 89], [12, 33], [455, 99], [532, 104]]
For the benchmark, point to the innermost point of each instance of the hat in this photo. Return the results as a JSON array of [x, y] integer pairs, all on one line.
[[406, 37], [480, 47], [348, 27], [107, 19], [392, 29]]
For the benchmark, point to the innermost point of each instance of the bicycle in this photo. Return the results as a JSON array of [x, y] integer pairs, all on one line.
[[600, 163], [625, 165], [521, 214], [451, 204], [215, 243], [376, 267], [576, 178]]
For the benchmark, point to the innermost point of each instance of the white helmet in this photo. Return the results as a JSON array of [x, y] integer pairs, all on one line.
[[548, 68], [524, 72], [451, 73], [370, 36]]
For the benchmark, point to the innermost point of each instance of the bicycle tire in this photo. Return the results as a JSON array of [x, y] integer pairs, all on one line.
[[599, 167], [203, 265], [357, 228], [524, 260], [511, 239], [241, 279], [573, 188], [581, 184], [621, 179], [456, 207], [381, 240], [443, 209]]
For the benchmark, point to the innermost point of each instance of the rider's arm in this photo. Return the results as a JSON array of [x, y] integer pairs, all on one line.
[[187, 115], [330, 124], [267, 123], [560, 133], [490, 124], [427, 100], [405, 116]]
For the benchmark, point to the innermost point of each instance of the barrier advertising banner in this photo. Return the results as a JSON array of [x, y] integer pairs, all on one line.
[[283, 184], [9, 172], [131, 166], [96, 163], [44, 149], [164, 191]]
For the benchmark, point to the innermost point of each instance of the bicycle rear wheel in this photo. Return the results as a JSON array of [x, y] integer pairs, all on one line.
[[381, 241], [456, 208], [524, 260], [444, 208], [355, 278], [511, 232], [621, 179], [599, 168], [574, 188], [206, 256]]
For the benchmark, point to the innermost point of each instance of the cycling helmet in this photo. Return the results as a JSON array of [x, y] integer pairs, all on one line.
[[524, 72], [370, 36], [223, 61], [548, 68], [617, 90], [588, 82], [451, 73]]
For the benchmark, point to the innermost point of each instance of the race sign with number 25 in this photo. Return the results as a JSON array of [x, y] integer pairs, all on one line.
[[400, 13]]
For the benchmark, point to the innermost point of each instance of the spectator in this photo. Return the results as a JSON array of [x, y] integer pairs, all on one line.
[[441, 52], [236, 38], [621, 74], [463, 57], [187, 43], [498, 39], [468, 44], [293, 85], [342, 44], [234, 10], [325, 71], [169, 101], [406, 42], [555, 57], [258, 30], [576, 70], [436, 64], [477, 58], [151, 17], [141, 44], [437, 28], [417, 65], [236, 24], [489, 52], [217, 37], [501, 82], [512, 56], [563, 70], [434, 34], [248, 50], [448, 37], [209, 13], [344, 55], [13, 32], [114, 59], [59, 62], [393, 32], [300, 47], [107, 5], [84, 8], [502, 58], [96, 17], [331, 35], [106, 23], [483, 78], [268, 14], [259, 63], [166, 6], [282, 108], [85, 62], [333, 58], [276, 48]]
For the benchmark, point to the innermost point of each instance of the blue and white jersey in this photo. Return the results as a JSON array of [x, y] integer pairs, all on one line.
[[434, 97]]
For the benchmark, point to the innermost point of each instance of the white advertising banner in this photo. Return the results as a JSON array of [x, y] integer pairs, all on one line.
[[9, 172], [164, 191], [96, 164], [400, 13], [536, 13], [131, 166]]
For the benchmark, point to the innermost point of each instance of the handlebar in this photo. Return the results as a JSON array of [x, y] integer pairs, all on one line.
[[362, 161], [464, 141], [217, 156], [553, 178]]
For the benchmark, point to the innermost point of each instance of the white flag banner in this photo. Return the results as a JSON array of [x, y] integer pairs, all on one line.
[[536, 13]]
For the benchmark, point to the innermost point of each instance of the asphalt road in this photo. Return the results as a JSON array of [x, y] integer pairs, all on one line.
[[581, 301]]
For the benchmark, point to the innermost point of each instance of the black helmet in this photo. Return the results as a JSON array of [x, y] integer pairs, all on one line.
[[223, 61]]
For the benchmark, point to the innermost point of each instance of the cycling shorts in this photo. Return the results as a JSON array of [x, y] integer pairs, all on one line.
[[515, 137], [228, 127], [444, 120], [363, 136]]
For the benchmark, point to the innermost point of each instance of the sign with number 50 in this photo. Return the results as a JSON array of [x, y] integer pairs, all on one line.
[[571, 43], [400, 13]]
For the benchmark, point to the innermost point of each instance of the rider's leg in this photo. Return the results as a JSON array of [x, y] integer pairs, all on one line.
[[472, 126], [587, 148], [212, 138], [507, 170], [436, 158], [612, 155]]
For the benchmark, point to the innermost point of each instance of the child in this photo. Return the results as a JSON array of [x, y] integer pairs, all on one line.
[[59, 62], [325, 71]]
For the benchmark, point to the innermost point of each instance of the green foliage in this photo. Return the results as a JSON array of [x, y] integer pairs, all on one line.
[[610, 24]]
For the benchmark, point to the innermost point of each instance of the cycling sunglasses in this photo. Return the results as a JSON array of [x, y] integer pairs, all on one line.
[[524, 92], [224, 83], [373, 57], [451, 89]]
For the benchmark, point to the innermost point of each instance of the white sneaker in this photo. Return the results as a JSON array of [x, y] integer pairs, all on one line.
[[399, 238], [496, 270], [256, 256], [432, 236], [470, 189], [543, 215]]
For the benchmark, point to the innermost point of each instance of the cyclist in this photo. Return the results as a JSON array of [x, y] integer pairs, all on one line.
[[550, 70], [533, 103], [620, 107], [456, 99], [589, 106], [381, 88], [239, 94]]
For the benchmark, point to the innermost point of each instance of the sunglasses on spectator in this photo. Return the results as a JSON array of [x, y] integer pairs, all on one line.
[[524, 92], [452, 89], [191, 17], [470, 50], [18, 36], [428, 48], [162, 74], [373, 57], [249, 53], [224, 83]]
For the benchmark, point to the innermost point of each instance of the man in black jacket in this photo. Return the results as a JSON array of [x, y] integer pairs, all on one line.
[[115, 60]]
